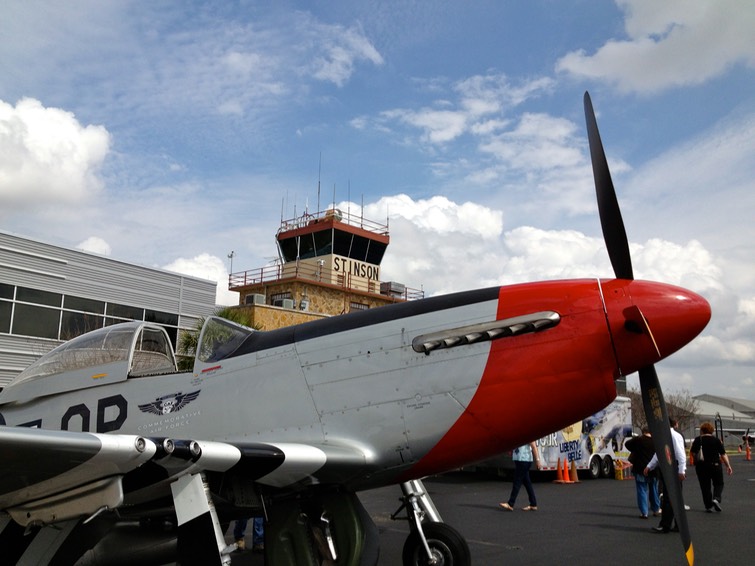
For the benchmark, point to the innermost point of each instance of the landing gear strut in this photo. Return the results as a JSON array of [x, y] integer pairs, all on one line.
[[431, 541], [323, 529]]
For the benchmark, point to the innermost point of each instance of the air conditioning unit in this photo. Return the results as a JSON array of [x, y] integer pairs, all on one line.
[[392, 288], [254, 299], [304, 305], [288, 303]]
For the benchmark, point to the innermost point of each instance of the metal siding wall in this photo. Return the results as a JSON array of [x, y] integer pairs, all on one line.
[[50, 268], [29, 263]]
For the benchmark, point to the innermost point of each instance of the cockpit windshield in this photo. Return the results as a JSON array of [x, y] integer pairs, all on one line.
[[130, 349], [220, 338]]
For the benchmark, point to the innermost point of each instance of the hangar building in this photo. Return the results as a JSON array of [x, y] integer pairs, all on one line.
[[49, 294]]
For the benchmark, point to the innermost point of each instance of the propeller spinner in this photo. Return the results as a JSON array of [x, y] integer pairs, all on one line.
[[676, 315]]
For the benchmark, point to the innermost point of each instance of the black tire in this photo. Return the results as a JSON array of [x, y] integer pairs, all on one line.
[[596, 465], [446, 543], [606, 468]]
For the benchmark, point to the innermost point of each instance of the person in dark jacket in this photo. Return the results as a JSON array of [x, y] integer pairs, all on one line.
[[707, 454], [641, 451]]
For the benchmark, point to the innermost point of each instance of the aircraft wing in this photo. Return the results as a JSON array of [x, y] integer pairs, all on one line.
[[51, 476]]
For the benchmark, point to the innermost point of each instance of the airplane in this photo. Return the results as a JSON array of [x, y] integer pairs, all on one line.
[[109, 454]]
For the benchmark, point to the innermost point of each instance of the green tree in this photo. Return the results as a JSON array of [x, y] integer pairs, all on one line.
[[189, 339]]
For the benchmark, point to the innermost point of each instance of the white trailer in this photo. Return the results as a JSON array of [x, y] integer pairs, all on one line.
[[594, 444]]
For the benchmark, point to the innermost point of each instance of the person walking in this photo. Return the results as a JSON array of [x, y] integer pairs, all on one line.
[[707, 453], [680, 459], [258, 534], [523, 458], [641, 452]]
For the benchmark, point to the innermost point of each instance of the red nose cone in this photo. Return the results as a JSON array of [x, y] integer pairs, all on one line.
[[650, 321], [675, 315]]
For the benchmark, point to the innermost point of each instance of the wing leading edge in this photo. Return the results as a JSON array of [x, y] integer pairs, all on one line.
[[51, 476]]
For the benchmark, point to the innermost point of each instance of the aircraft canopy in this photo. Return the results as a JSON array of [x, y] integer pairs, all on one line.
[[112, 353], [220, 338]]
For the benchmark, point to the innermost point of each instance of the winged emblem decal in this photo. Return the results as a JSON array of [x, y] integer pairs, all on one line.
[[169, 403]]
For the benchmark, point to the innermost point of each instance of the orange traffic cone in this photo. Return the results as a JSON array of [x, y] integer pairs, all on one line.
[[559, 473], [747, 450], [573, 472], [566, 472]]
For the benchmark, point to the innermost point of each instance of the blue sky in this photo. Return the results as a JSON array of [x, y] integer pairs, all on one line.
[[170, 133]]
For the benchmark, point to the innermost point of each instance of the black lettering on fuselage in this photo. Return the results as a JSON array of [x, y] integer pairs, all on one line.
[[105, 406], [111, 414], [80, 410]]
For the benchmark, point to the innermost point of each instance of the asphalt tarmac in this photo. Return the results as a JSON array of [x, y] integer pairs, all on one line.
[[587, 522]]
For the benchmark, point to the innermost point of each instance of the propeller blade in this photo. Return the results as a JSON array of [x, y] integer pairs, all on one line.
[[658, 423], [611, 222]]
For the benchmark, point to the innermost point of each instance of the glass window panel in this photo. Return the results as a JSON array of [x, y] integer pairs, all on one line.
[[359, 248], [29, 320], [306, 246], [82, 304], [5, 308], [6, 291], [341, 242], [161, 317], [39, 297], [288, 249], [375, 252], [125, 311], [323, 242], [75, 324]]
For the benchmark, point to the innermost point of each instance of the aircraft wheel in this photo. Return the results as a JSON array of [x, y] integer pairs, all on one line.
[[446, 544]]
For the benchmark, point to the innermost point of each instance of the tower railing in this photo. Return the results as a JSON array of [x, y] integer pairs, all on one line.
[[321, 274], [308, 218]]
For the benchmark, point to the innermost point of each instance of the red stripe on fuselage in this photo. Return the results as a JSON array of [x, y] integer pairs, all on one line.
[[535, 383]]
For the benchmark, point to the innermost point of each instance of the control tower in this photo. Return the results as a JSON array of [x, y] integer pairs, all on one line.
[[328, 264]]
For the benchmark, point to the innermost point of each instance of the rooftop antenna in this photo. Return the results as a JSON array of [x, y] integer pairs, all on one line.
[[334, 196], [348, 200], [319, 172]]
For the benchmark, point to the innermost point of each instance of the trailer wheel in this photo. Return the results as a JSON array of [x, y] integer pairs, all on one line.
[[607, 469], [596, 466], [446, 544]]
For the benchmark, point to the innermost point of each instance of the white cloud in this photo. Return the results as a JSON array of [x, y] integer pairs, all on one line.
[[95, 245], [440, 215], [209, 267], [535, 254], [670, 44], [47, 156], [539, 142], [467, 240], [340, 50], [480, 104]]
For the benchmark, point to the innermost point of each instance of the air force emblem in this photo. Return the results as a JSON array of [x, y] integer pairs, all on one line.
[[169, 403]]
